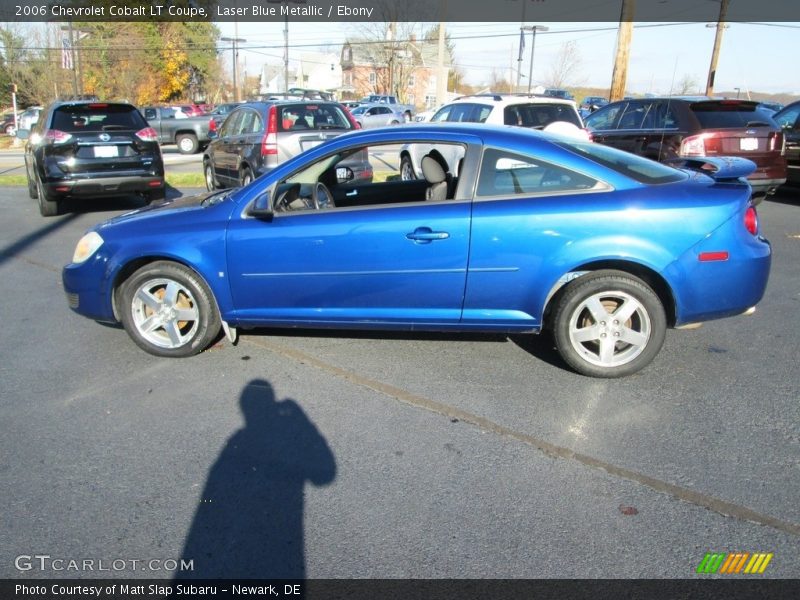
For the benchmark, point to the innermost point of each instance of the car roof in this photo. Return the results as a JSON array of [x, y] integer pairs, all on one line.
[[511, 99]]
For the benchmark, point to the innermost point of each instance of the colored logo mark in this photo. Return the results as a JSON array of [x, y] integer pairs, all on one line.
[[734, 563]]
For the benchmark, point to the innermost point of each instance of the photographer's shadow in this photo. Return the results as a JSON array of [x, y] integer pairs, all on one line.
[[249, 523]]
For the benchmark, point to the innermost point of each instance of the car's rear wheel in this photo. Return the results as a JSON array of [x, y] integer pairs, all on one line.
[[608, 324], [245, 176], [208, 175], [187, 143], [155, 196], [168, 310], [407, 169], [47, 206]]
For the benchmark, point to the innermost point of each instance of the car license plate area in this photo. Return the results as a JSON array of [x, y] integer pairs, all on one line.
[[748, 144], [105, 151]]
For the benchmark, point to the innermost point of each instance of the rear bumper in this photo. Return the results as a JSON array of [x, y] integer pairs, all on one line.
[[98, 187]]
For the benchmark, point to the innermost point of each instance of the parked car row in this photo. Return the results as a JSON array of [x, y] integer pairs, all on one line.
[[676, 128]]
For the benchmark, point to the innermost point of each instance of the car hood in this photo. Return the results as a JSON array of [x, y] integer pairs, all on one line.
[[181, 209]]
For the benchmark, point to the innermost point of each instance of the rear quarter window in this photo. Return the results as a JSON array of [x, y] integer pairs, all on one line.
[[76, 118], [630, 165]]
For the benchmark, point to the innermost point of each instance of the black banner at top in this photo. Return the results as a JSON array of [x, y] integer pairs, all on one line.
[[416, 11]]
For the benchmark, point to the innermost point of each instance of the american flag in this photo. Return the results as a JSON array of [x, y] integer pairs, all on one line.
[[66, 54]]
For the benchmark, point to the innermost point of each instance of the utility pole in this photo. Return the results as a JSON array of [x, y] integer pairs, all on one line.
[[534, 29], [712, 70], [235, 41], [521, 46], [619, 79], [441, 79]]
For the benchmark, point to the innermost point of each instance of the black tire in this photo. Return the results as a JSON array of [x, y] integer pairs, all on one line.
[[245, 176], [32, 191], [187, 143], [48, 207], [156, 325], [598, 347], [208, 175], [158, 195], [407, 169]]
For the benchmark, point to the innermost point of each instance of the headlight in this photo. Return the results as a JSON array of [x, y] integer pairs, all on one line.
[[87, 246]]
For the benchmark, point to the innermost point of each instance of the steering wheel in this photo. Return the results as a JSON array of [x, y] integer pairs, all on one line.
[[321, 197]]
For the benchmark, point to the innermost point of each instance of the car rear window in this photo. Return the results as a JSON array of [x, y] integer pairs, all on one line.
[[731, 115], [312, 115], [636, 167], [540, 115], [97, 117]]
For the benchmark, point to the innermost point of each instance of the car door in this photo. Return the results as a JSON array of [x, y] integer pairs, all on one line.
[[603, 122], [789, 121], [395, 263], [225, 157]]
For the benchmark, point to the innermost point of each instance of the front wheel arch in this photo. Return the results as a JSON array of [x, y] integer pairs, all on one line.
[[168, 309]]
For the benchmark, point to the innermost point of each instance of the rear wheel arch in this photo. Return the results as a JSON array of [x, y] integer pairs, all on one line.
[[654, 280]]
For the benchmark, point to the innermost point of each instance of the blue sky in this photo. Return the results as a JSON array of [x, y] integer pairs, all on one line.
[[754, 57]]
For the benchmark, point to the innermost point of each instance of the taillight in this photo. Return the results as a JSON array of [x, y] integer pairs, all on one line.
[[148, 134], [54, 136], [352, 119], [212, 125], [269, 144], [776, 140], [694, 145], [751, 220]]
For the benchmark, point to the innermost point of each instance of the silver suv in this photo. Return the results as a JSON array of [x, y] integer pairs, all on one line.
[[521, 110], [257, 136]]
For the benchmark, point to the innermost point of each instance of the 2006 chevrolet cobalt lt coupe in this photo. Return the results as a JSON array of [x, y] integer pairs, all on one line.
[[529, 232]]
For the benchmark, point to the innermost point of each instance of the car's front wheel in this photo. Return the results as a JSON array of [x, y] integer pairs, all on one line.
[[168, 310], [608, 324], [208, 175], [407, 169]]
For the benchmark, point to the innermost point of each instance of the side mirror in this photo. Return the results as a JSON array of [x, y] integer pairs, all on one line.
[[262, 207], [344, 174]]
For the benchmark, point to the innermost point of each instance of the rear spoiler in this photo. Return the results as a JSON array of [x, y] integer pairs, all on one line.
[[720, 168]]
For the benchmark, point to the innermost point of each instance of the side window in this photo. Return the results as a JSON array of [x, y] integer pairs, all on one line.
[[506, 174], [245, 124], [442, 114], [634, 116], [788, 120], [664, 116], [231, 124], [150, 113], [464, 113], [604, 118]]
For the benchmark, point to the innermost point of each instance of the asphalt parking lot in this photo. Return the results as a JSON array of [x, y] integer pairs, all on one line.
[[340, 455]]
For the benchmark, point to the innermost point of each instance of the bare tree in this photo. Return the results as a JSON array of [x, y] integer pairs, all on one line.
[[565, 67], [687, 85]]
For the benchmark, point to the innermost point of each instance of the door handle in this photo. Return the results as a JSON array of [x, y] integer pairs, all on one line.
[[353, 193], [425, 235]]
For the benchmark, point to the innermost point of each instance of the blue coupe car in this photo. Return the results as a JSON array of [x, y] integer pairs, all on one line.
[[530, 232]]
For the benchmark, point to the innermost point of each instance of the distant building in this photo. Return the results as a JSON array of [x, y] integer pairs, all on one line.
[[406, 69]]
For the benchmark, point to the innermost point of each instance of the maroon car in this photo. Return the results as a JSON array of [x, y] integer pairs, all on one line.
[[672, 128]]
